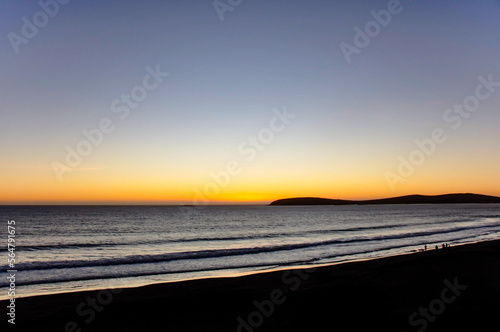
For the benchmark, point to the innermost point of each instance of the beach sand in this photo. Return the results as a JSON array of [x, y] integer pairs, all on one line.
[[454, 289]]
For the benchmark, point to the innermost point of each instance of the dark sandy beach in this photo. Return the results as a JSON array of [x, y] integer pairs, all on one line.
[[454, 289]]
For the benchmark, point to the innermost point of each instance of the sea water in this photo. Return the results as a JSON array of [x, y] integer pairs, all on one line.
[[73, 248]]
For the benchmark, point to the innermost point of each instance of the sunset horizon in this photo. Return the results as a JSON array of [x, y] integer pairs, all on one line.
[[201, 201]]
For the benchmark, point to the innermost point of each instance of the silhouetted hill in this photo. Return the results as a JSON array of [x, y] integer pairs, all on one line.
[[410, 199]]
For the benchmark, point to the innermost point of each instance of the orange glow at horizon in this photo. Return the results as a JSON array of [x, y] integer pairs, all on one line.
[[156, 184], [104, 189]]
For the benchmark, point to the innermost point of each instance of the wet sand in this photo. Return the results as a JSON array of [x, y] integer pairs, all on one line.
[[453, 289]]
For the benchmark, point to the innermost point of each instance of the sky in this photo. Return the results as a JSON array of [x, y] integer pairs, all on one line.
[[198, 102]]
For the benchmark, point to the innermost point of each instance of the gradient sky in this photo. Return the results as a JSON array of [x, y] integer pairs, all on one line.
[[353, 120]]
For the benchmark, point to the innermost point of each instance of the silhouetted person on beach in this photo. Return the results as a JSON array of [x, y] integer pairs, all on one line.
[[437, 247], [425, 248]]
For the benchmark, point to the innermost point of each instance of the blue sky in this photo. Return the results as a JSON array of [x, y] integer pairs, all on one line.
[[226, 77]]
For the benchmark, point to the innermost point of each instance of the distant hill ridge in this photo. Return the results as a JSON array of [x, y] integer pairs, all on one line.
[[409, 199]]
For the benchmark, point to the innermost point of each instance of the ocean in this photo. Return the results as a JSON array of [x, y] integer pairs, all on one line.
[[74, 248]]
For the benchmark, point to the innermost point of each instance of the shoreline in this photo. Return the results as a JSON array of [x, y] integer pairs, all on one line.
[[252, 272], [384, 291]]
